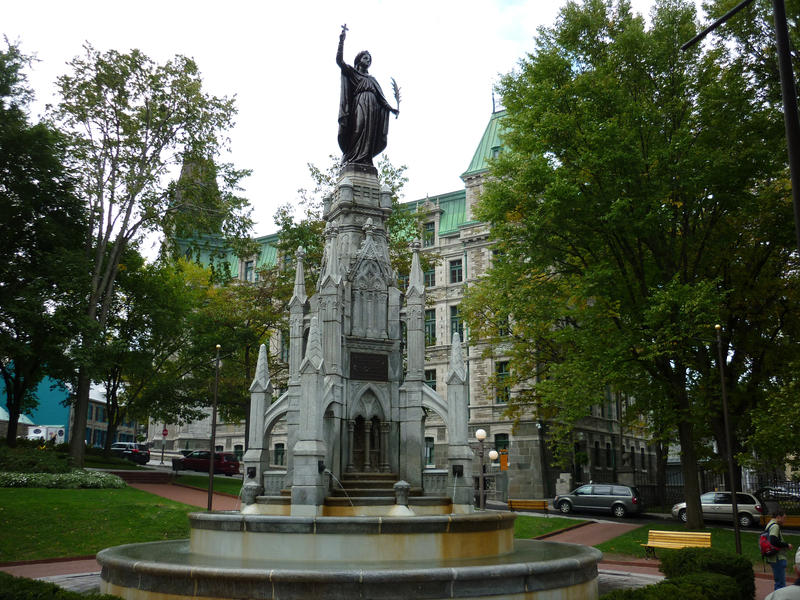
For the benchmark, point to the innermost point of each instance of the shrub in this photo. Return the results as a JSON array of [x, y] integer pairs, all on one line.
[[709, 560], [19, 588], [711, 586], [697, 586], [78, 478], [29, 458]]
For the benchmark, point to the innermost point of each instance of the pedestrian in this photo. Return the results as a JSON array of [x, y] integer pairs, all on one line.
[[778, 560], [793, 591]]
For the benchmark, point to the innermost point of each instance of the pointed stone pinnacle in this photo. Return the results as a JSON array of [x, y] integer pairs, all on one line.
[[261, 381], [456, 368]]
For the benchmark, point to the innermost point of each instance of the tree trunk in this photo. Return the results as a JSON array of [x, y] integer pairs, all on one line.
[[661, 473], [80, 410]]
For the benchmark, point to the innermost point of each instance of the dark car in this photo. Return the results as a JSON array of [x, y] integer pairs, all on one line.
[[224, 462], [718, 506], [138, 453], [779, 493], [619, 500]]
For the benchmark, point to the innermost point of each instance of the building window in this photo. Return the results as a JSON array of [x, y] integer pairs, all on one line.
[[504, 327], [428, 234], [500, 441], [456, 324], [642, 459], [609, 457], [430, 327], [428, 450], [596, 455], [89, 415], [279, 453], [501, 373], [456, 271], [402, 282], [430, 278], [430, 378], [248, 270]]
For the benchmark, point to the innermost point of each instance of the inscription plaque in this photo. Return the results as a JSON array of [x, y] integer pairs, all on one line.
[[372, 367]]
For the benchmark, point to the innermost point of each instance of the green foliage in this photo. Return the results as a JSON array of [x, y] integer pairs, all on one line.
[[711, 560], [696, 586], [41, 236], [131, 122], [74, 479], [48, 523], [33, 458], [633, 207], [20, 588], [226, 485]]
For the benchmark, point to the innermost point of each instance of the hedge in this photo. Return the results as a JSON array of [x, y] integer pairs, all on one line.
[[710, 560], [19, 588], [696, 586], [79, 478]]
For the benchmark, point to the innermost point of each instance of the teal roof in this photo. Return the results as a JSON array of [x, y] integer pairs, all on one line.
[[489, 146], [453, 207], [268, 257]]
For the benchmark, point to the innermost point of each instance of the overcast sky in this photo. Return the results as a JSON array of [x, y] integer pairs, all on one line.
[[278, 60]]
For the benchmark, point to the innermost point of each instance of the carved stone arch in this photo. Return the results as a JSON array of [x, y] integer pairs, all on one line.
[[431, 400], [358, 407]]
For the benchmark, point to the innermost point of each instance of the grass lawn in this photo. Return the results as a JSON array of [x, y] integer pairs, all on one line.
[[630, 544], [228, 485], [39, 523], [530, 526]]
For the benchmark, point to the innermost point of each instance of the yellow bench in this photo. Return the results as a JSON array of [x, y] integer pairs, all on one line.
[[540, 505], [675, 539]]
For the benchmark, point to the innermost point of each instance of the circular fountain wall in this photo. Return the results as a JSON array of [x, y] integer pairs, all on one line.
[[230, 555]]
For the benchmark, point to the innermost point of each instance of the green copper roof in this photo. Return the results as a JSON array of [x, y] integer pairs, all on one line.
[[489, 146], [452, 206], [268, 257]]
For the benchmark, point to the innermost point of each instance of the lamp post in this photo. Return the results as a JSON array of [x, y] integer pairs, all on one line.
[[480, 435], [213, 432], [731, 472]]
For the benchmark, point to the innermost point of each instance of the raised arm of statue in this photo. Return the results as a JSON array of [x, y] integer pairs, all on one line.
[[340, 51]]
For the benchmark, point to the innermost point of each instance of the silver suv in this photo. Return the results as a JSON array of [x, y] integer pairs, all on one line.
[[619, 500], [717, 506]]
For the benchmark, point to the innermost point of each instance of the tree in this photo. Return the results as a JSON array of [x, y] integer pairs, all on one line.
[[148, 326], [43, 223], [133, 121], [638, 203]]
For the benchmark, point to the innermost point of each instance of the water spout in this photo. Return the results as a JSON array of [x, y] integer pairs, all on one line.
[[336, 479]]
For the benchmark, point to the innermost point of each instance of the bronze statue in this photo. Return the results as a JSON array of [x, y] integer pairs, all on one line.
[[363, 109]]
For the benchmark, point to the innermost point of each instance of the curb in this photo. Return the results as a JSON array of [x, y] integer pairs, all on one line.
[[191, 487], [562, 530], [42, 561]]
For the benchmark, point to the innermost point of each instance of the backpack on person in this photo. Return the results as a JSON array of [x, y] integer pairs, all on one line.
[[766, 547]]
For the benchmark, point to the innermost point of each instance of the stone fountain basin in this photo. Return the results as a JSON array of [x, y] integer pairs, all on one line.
[[231, 555]]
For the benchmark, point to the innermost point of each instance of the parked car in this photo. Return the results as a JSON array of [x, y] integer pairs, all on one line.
[[619, 500], [138, 453], [224, 462], [717, 506]]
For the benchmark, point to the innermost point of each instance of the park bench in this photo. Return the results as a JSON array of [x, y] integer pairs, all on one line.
[[675, 539], [540, 505]]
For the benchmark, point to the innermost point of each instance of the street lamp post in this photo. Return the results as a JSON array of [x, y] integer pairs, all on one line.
[[731, 472], [480, 435], [213, 433]]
